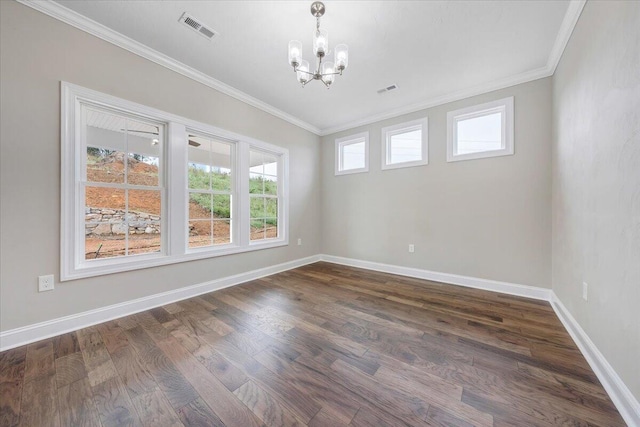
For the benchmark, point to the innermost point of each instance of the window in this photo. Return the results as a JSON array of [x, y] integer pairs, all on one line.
[[480, 131], [405, 145], [352, 154], [209, 178], [263, 195], [122, 184], [142, 187]]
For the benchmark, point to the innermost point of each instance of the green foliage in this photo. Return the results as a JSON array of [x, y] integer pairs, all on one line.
[[261, 207]]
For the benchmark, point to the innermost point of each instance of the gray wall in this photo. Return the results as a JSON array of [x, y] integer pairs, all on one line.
[[487, 218], [33, 64], [596, 181]]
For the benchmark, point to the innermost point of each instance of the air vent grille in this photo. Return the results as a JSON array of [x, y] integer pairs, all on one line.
[[387, 89], [197, 26]]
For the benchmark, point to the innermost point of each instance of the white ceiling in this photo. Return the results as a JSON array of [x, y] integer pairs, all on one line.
[[433, 50]]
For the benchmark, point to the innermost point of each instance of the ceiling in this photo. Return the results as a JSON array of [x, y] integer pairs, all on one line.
[[435, 51]]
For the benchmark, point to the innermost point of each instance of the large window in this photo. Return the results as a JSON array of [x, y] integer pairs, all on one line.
[[352, 154], [142, 187], [210, 190], [122, 184], [405, 145], [480, 131]]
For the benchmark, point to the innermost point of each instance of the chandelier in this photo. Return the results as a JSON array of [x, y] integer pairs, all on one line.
[[325, 71]]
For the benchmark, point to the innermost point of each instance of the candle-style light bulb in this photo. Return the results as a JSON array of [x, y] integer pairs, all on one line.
[[295, 52], [320, 42], [342, 56]]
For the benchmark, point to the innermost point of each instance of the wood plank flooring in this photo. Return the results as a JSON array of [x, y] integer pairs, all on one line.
[[321, 345]]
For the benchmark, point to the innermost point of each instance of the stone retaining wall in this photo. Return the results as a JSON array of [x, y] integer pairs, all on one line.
[[111, 222]]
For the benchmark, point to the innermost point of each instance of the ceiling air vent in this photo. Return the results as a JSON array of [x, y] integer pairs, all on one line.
[[197, 26], [387, 89]]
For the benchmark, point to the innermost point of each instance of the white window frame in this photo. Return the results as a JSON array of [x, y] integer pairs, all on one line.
[[503, 106], [175, 207], [348, 140], [390, 131]]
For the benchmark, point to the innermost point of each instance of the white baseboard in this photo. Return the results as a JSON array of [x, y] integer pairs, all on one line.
[[619, 393], [453, 279], [39, 331]]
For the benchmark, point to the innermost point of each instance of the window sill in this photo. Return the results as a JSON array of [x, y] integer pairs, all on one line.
[[157, 260]]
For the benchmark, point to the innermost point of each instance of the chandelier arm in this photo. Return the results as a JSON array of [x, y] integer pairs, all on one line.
[[306, 72]]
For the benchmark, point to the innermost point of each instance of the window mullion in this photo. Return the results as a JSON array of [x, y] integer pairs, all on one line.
[[243, 213], [177, 205]]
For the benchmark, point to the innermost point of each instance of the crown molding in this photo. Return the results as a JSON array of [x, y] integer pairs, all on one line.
[[68, 16], [90, 26], [569, 22], [445, 99]]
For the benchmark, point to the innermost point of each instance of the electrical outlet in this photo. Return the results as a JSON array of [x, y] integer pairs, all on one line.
[[585, 291], [299, 242], [45, 283], [412, 248]]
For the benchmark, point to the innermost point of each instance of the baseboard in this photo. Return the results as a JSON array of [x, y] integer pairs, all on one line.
[[32, 333], [619, 393], [453, 279]]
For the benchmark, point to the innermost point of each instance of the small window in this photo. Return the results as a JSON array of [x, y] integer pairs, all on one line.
[[405, 145], [480, 131], [352, 154]]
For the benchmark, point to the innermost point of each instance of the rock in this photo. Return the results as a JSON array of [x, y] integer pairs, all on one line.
[[108, 212], [149, 230], [119, 228], [102, 229], [92, 217]]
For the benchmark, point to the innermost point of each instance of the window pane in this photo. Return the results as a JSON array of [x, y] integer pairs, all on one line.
[[353, 156], [200, 206], [256, 162], [220, 166], [104, 165], [143, 146], [221, 232], [271, 228], [101, 243], [144, 237], [199, 167], [200, 233], [222, 206], [106, 144], [104, 198], [257, 206], [271, 185], [144, 204], [271, 208], [142, 169], [257, 229], [480, 134], [256, 183], [405, 147]]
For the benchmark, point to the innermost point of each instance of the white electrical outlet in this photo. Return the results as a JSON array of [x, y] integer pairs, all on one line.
[[299, 242], [45, 283], [412, 248], [585, 291]]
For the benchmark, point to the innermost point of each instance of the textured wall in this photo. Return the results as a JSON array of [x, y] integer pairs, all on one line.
[[32, 66], [596, 181], [487, 218]]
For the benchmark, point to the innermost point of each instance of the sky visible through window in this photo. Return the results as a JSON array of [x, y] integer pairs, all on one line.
[[406, 147], [353, 156], [480, 134]]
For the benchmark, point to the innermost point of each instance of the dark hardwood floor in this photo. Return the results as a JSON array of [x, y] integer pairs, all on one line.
[[322, 345]]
